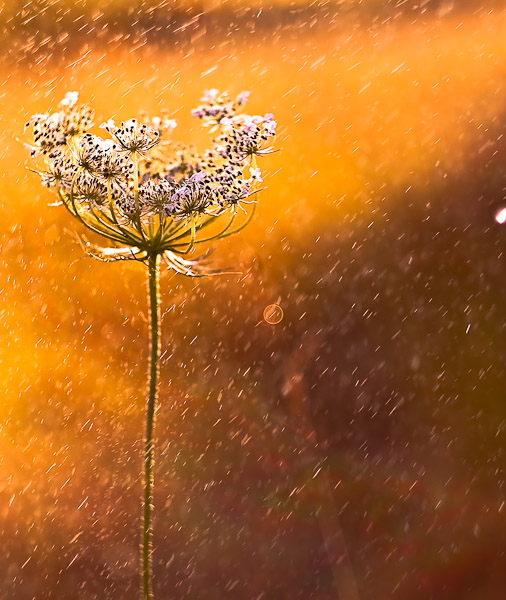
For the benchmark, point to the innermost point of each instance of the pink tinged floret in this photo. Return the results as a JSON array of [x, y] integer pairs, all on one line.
[[219, 148], [108, 124], [242, 97], [104, 144], [248, 124], [226, 123], [32, 149], [255, 174], [37, 118], [198, 176], [270, 127], [54, 119], [209, 95]]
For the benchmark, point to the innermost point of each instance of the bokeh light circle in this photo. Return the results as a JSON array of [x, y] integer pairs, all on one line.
[[273, 314]]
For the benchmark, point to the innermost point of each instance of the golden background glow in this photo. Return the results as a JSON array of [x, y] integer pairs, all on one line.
[[375, 235]]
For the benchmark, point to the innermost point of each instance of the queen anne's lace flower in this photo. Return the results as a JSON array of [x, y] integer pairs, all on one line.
[[133, 137], [140, 188], [154, 198]]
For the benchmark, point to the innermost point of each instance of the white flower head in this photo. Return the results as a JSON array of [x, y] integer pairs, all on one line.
[[141, 188]]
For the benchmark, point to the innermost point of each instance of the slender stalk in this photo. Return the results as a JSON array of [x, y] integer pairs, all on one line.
[[146, 546], [137, 218]]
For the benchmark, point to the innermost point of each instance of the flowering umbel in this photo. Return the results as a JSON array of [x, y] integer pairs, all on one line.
[[146, 193], [152, 197]]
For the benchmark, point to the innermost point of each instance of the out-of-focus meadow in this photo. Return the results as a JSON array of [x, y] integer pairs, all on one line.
[[375, 234]]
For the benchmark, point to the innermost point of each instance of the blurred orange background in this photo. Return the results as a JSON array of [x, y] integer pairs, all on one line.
[[375, 234]]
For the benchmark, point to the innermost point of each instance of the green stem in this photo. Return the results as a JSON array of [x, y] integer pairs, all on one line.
[[146, 546], [137, 216]]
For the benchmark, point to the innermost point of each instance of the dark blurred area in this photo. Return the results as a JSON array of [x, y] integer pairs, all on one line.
[[47, 25], [373, 413]]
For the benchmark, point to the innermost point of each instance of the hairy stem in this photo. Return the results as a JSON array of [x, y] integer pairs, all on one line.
[[146, 546]]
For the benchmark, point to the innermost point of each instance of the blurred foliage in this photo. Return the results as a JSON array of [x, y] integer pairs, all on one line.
[[48, 21]]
